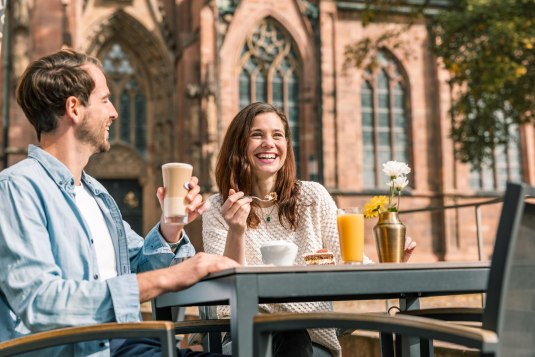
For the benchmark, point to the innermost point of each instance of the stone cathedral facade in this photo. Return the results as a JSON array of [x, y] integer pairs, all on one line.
[[179, 70]]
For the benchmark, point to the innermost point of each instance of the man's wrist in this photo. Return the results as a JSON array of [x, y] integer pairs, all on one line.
[[174, 245], [164, 236]]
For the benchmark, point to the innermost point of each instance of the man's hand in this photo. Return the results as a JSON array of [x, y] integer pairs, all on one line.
[[196, 206], [180, 276]]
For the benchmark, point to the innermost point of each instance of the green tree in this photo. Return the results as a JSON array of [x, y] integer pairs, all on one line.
[[488, 46]]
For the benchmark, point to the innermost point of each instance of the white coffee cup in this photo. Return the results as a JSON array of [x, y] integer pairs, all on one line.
[[279, 252]]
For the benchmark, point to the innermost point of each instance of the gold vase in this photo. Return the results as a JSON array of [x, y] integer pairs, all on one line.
[[390, 238]]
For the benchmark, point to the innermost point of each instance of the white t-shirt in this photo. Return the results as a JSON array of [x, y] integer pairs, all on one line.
[[90, 210]]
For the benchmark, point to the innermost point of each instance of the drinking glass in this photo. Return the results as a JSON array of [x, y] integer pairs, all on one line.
[[175, 177], [351, 233]]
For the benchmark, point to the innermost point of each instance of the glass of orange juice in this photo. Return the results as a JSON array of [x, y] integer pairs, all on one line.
[[351, 234]]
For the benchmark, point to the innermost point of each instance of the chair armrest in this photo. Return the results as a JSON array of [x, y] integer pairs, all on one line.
[[164, 330], [264, 324]]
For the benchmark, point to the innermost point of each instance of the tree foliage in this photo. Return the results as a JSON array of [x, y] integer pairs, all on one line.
[[488, 46]]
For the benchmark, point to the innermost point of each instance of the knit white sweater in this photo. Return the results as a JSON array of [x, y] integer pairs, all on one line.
[[317, 230]]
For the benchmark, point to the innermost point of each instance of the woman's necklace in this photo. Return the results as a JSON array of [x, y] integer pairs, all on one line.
[[267, 217]]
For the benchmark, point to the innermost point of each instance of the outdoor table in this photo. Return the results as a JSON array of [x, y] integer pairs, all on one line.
[[243, 288]]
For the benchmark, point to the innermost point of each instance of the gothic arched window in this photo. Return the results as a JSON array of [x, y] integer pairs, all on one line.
[[268, 73], [385, 119], [128, 96]]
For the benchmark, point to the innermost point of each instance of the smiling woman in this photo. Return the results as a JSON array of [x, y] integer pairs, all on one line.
[[256, 159]]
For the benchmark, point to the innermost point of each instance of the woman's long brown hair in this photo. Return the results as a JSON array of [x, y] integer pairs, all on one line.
[[233, 168]]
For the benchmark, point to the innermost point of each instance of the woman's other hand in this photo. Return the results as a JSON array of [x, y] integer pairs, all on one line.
[[409, 248]]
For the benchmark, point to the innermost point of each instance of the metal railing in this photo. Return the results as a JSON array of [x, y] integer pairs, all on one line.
[[476, 205]]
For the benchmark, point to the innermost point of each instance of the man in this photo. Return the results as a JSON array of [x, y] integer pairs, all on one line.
[[67, 257]]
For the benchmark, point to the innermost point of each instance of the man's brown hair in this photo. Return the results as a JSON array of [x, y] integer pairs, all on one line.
[[47, 83]]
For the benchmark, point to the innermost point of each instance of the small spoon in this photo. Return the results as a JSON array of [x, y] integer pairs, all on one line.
[[261, 199], [268, 198]]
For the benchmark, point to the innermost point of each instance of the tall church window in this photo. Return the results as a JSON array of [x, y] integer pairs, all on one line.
[[269, 66], [505, 165], [385, 119], [128, 97]]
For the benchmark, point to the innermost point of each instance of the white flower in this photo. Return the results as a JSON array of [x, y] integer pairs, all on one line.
[[398, 183], [395, 169]]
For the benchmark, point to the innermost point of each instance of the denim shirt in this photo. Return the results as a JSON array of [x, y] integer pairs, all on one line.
[[50, 276]]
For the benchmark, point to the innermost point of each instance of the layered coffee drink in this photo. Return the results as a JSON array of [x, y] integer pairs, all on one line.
[[176, 176]]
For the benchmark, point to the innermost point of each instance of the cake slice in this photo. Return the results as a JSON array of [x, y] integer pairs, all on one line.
[[320, 257]]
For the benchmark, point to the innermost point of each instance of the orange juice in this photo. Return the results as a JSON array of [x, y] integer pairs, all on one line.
[[351, 233]]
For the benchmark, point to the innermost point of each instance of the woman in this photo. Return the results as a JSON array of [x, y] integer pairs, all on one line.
[[256, 159]]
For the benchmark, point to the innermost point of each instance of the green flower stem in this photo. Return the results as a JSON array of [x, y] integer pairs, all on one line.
[[391, 196]]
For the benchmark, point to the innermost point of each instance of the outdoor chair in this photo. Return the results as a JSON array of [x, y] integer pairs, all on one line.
[[507, 326]]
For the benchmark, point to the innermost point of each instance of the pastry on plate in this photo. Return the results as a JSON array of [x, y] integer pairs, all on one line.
[[320, 257]]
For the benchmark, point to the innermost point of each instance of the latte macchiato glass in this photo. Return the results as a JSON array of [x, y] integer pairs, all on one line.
[[176, 175]]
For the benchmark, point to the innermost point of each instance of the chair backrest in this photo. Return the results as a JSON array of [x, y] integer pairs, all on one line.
[[510, 305]]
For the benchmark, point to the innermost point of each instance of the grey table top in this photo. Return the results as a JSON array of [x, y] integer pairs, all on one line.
[[337, 282]]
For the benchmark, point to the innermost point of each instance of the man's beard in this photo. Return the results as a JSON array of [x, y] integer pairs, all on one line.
[[96, 138]]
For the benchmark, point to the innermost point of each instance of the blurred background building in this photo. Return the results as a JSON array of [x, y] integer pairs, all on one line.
[[179, 70]]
